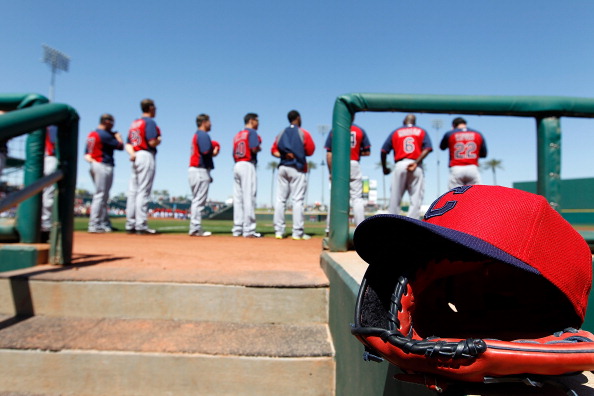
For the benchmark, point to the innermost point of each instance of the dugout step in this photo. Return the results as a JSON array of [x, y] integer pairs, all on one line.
[[43, 355], [44, 333]]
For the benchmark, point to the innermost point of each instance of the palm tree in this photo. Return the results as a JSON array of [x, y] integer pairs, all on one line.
[[273, 165], [378, 165], [493, 164]]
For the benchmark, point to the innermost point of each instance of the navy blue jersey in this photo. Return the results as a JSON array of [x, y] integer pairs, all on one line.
[[201, 153], [297, 141], [101, 144]]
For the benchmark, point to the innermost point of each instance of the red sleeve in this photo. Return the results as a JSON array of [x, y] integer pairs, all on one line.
[[274, 148], [308, 143]]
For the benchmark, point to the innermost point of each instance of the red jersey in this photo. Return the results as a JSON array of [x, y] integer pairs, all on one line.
[[466, 146], [141, 131], [407, 142], [101, 144], [243, 143], [359, 142]]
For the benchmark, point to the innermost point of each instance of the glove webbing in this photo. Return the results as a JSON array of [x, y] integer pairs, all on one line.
[[463, 349]]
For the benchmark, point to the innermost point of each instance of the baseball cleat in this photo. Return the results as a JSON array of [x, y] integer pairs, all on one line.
[[200, 233], [254, 235], [278, 236], [147, 231], [303, 237], [97, 231]]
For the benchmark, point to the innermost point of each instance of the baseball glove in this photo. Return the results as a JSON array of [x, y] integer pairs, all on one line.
[[468, 321], [463, 304]]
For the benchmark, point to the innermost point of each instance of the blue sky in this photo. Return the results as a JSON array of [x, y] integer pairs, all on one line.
[[230, 57]]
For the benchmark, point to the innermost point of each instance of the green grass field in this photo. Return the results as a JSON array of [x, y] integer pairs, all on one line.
[[217, 227]]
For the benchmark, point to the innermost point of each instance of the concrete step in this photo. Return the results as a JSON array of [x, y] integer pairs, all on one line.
[[180, 321], [23, 295], [164, 336], [84, 356]]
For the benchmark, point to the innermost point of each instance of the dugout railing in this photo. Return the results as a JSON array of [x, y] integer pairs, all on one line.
[[547, 112], [31, 114]]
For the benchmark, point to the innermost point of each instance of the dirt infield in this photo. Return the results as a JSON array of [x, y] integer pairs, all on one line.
[[180, 258]]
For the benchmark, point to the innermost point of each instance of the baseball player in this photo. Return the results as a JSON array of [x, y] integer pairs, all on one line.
[[466, 147], [201, 163], [3, 154], [101, 144], [50, 164], [3, 150], [143, 138], [292, 146], [411, 145], [246, 145], [360, 147]]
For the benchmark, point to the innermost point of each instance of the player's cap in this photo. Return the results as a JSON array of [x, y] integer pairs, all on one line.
[[505, 224]]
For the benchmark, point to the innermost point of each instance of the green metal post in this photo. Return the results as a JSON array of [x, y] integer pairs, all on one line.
[[34, 120], [29, 211], [341, 174], [549, 160], [66, 152]]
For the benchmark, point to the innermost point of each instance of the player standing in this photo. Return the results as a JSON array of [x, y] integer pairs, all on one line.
[[201, 163], [143, 138], [292, 146], [101, 144], [360, 147], [50, 164], [466, 147], [246, 145], [3, 150], [411, 145]]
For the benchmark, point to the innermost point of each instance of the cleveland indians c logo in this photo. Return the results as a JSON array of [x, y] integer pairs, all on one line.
[[449, 205]]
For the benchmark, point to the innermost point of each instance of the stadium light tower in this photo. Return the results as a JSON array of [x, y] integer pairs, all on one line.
[[57, 61], [323, 130], [437, 125]]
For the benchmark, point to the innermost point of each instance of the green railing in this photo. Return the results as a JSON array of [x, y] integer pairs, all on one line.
[[31, 114], [546, 111]]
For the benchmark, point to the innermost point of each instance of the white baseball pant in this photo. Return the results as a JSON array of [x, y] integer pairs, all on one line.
[[244, 198], [406, 181], [356, 195], [50, 164], [102, 175], [290, 182], [463, 175], [141, 184], [199, 179]]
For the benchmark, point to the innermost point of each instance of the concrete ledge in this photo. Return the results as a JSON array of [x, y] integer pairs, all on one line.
[[149, 300]]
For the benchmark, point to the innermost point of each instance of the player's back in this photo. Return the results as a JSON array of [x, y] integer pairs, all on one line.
[[465, 146]]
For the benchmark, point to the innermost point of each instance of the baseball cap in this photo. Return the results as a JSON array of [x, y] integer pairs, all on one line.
[[504, 224]]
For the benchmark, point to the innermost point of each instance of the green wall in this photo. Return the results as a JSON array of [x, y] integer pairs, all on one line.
[[577, 199]]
